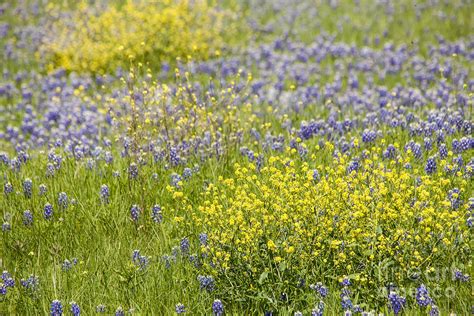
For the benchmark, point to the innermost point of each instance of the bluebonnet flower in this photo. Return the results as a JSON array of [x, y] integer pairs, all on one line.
[[7, 188], [119, 311], [90, 163], [135, 255], [459, 276], [206, 282], [440, 136], [180, 309], [75, 309], [217, 308], [390, 152], [430, 167], [135, 212], [368, 136], [345, 147], [203, 239], [140, 261], [133, 171], [108, 157], [57, 159], [453, 197], [50, 170], [174, 156], [187, 173], [78, 152], [27, 218], [458, 161], [6, 227], [184, 245], [397, 302], [250, 155], [345, 282], [48, 211], [353, 166], [156, 214], [243, 150], [3, 289], [464, 144], [100, 308], [422, 297], [302, 151], [434, 311], [255, 134], [27, 187], [67, 265], [4, 158], [104, 193], [315, 175], [168, 259], [116, 174], [456, 145], [470, 213], [428, 144], [301, 282], [43, 189], [357, 309], [320, 289], [416, 149], [63, 200], [346, 302], [318, 310], [323, 291], [15, 165], [56, 308], [31, 283], [470, 169], [259, 162], [443, 151], [175, 179], [9, 282], [298, 313]]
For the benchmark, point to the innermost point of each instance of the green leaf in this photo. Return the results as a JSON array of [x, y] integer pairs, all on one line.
[[262, 277], [282, 266]]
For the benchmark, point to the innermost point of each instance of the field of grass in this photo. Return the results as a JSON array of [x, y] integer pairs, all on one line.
[[236, 157]]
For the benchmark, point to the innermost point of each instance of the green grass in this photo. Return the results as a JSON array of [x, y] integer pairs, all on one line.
[[103, 237]]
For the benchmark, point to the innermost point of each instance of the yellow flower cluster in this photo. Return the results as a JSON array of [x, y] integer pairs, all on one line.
[[343, 223], [150, 109], [103, 39]]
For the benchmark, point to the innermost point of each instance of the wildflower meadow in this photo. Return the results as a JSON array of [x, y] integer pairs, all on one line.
[[236, 157]]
